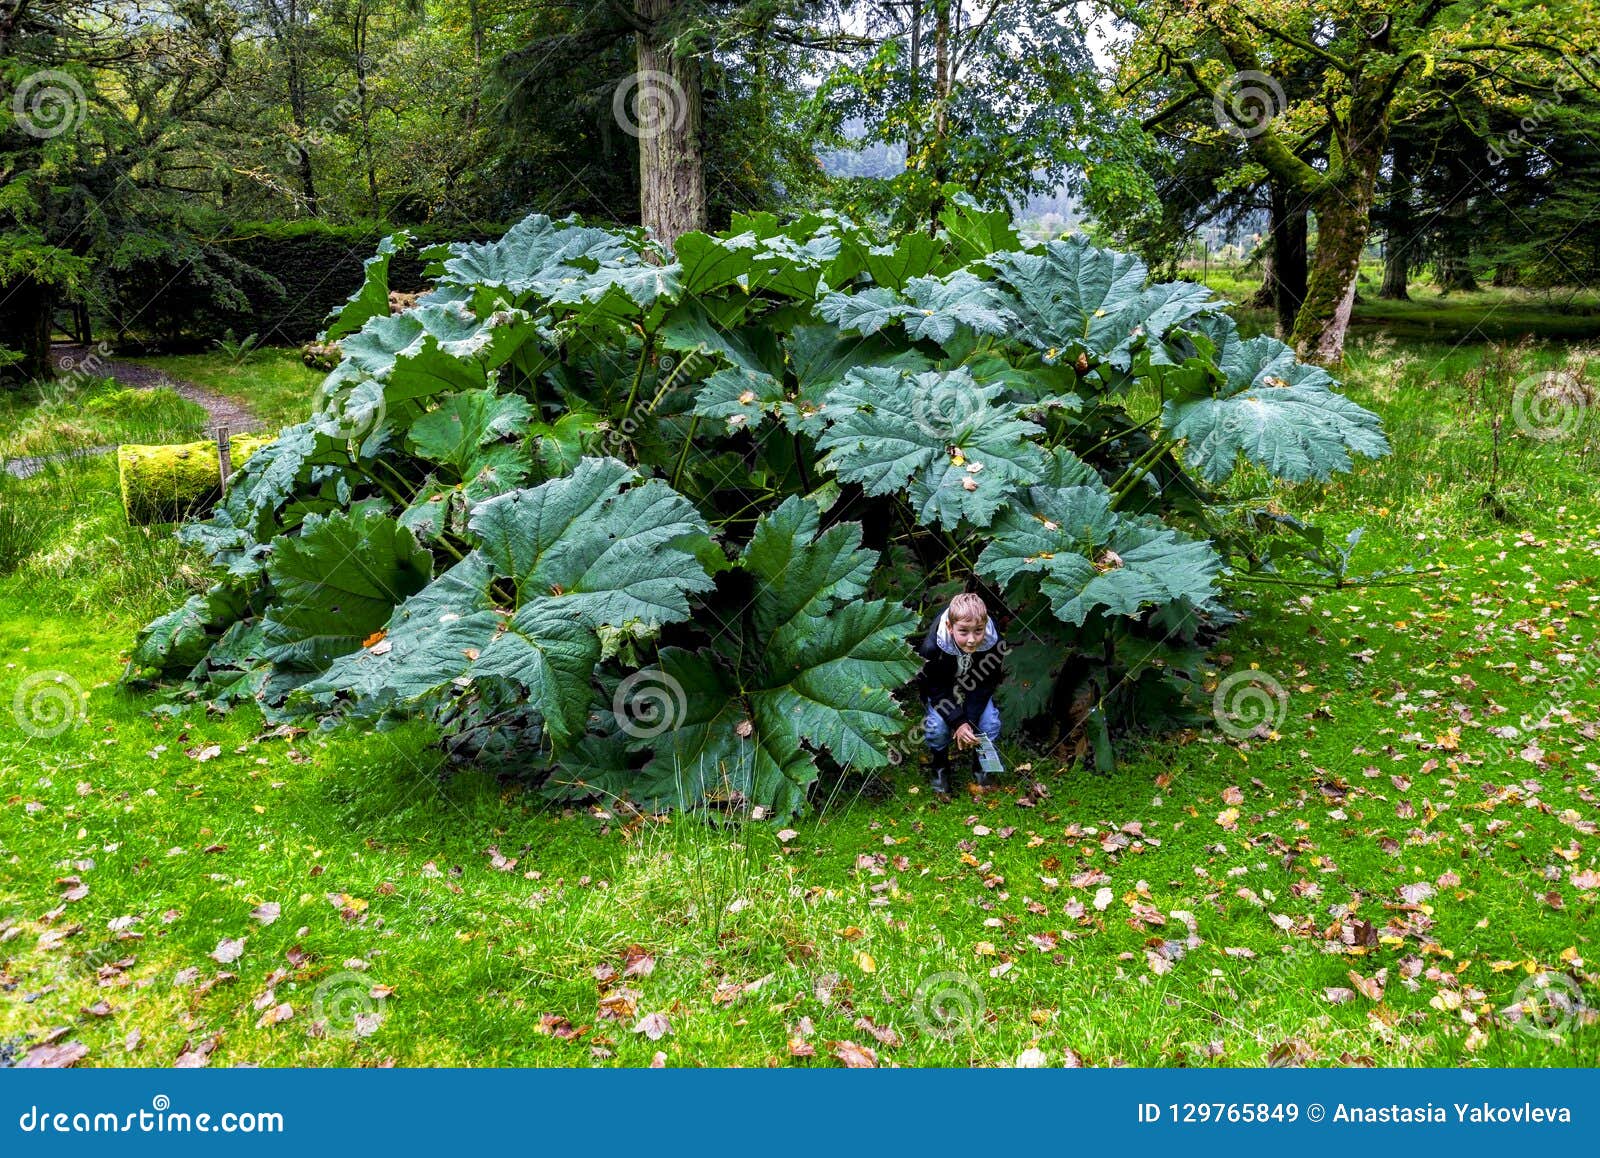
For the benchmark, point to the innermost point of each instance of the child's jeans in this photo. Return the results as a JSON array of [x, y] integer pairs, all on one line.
[[937, 732]]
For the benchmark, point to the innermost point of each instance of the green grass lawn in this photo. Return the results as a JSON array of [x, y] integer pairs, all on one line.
[[272, 381], [1386, 877], [77, 413], [1486, 314]]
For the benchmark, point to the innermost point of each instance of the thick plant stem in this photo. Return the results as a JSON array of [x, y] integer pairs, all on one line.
[[1130, 478], [683, 452], [638, 375]]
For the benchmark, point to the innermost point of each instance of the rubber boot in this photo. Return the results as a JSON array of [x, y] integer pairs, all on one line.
[[939, 771]]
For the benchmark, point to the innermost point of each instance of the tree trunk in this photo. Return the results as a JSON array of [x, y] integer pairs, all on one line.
[[1504, 275], [1454, 272], [287, 27], [1396, 285], [1344, 222], [1266, 297], [361, 37], [1399, 238], [943, 81], [667, 116], [916, 80], [26, 310], [1289, 256]]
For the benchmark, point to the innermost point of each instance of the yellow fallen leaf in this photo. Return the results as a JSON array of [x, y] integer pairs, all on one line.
[[865, 963]]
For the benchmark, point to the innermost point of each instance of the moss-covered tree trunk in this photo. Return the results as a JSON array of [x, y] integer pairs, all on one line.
[[667, 96], [1324, 317], [1344, 222], [1399, 235]]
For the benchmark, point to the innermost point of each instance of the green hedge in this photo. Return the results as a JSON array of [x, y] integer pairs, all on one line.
[[284, 277]]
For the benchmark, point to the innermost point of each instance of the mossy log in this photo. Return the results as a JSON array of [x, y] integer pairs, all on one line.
[[168, 484]]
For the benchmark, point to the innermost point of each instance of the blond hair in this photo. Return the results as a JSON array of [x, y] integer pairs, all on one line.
[[967, 606]]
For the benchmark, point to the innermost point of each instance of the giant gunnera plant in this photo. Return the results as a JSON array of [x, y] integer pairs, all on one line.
[[661, 525]]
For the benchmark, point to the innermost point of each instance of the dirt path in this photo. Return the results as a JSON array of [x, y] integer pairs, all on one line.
[[222, 411], [68, 359]]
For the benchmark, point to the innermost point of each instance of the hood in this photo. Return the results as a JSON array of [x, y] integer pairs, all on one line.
[[947, 642]]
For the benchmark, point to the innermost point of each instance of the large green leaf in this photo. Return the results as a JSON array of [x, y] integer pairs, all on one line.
[[691, 329], [549, 653], [1087, 556], [587, 554], [336, 583], [1073, 298], [371, 298], [1279, 413], [469, 432], [803, 573], [811, 671], [949, 442], [173, 643], [534, 256], [942, 305], [237, 533], [607, 551], [430, 349], [427, 644], [818, 358]]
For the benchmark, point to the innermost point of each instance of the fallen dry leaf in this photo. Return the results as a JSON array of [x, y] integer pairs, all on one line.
[[54, 1057], [855, 1057], [655, 1026], [227, 951]]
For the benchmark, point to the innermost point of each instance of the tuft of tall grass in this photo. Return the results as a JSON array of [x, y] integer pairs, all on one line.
[[75, 413]]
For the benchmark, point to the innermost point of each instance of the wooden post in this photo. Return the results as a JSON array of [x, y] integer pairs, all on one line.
[[224, 458]]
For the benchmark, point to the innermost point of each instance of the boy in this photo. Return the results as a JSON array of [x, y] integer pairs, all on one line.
[[962, 666]]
